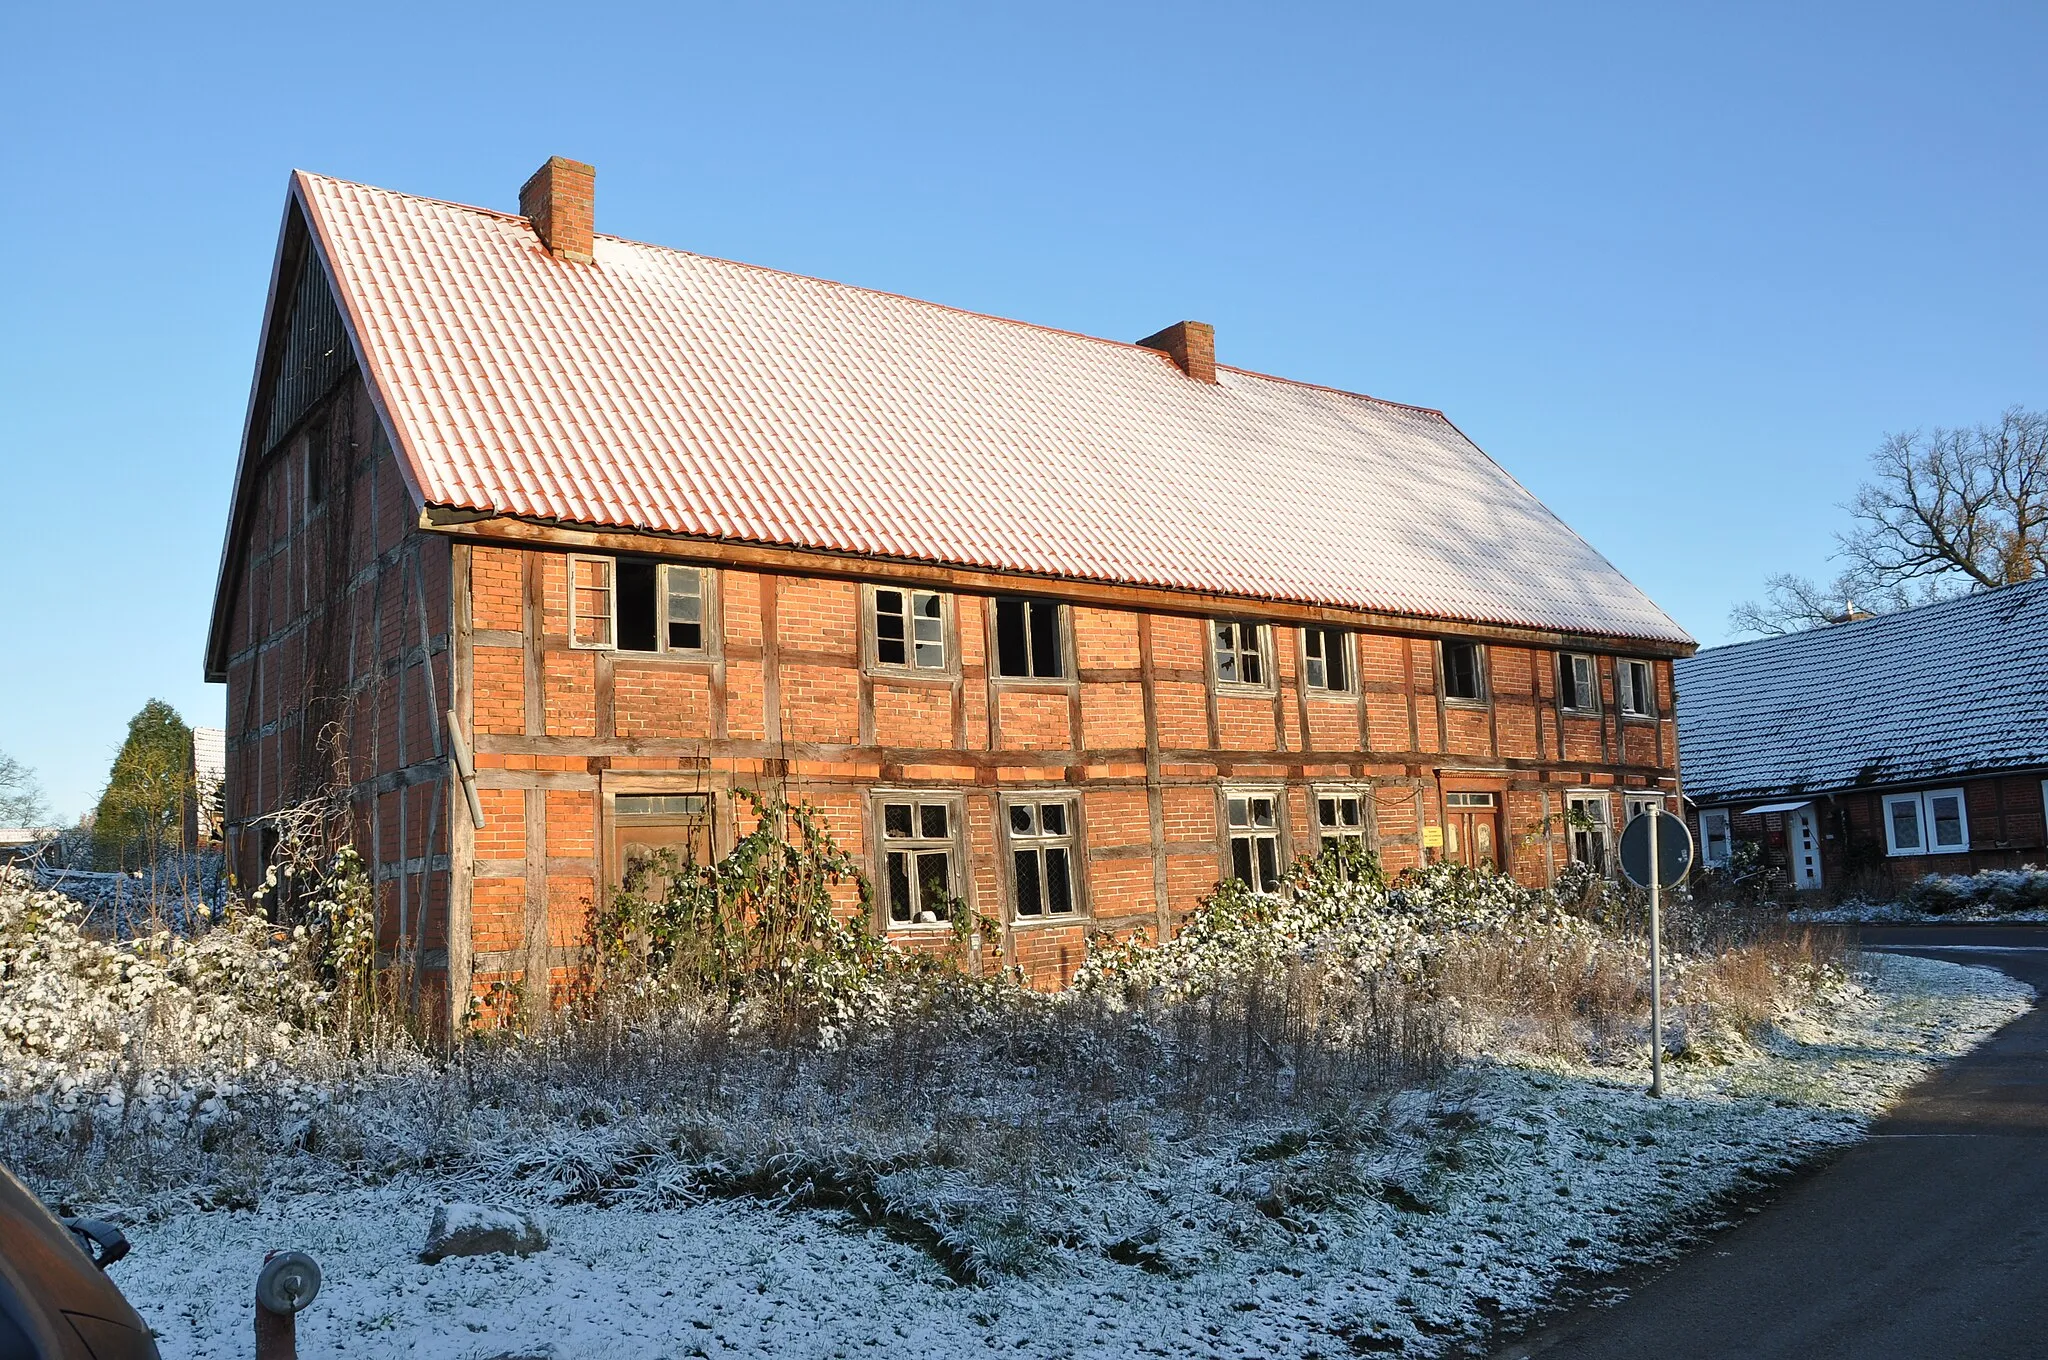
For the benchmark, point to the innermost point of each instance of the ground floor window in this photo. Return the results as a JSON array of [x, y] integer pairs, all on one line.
[[1931, 823], [1586, 820], [1042, 858], [919, 850], [648, 826], [1254, 825], [1716, 843], [1340, 818]]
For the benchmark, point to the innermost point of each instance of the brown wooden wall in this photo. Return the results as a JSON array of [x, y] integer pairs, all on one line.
[[1140, 733]]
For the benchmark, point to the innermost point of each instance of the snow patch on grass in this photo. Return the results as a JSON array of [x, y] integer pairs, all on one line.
[[1408, 1229]]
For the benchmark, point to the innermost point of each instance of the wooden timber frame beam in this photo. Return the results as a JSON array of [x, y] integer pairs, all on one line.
[[511, 531]]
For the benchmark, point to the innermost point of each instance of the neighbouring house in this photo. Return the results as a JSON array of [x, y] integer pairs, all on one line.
[[1861, 756], [1061, 628], [203, 811]]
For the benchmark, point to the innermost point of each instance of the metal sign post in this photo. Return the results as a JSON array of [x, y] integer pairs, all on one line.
[[1656, 853], [1656, 964]]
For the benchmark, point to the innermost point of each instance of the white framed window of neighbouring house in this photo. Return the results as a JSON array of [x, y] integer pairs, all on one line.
[[1717, 843], [1932, 822]]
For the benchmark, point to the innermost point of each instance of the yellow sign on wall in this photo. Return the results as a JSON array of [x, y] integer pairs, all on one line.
[[1432, 838]]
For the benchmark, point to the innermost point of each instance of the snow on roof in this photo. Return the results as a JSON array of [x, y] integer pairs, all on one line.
[[1924, 694], [673, 392]]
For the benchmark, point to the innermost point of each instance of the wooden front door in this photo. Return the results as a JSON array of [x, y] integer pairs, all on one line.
[[1472, 830], [643, 825]]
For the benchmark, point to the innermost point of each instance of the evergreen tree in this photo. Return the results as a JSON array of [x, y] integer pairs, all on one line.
[[141, 815]]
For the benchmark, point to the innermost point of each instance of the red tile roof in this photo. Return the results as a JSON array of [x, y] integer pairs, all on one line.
[[673, 392]]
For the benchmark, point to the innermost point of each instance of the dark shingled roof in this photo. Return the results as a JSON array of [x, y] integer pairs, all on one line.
[[1924, 694]]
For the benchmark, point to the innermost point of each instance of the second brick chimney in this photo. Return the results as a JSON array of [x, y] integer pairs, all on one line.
[[1191, 345], [558, 201]]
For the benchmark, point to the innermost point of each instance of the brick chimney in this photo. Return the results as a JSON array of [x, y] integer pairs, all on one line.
[[557, 200], [1191, 345]]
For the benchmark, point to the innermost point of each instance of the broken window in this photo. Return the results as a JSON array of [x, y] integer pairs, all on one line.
[[1326, 659], [639, 606], [1586, 820], [1578, 684], [910, 628], [1028, 639], [917, 860], [1240, 653], [1254, 839], [1637, 685], [1340, 818], [1462, 679], [1042, 857], [650, 826], [591, 621]]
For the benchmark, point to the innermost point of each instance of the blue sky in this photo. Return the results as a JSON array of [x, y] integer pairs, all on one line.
[[1677, 269]]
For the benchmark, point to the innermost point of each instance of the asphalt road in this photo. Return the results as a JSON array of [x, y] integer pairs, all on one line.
[[1929, 1240]]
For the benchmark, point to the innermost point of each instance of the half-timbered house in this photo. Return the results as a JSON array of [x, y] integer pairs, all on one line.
[[1064, 628]]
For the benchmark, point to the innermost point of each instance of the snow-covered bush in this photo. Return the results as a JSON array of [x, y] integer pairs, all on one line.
[[1993, 891]]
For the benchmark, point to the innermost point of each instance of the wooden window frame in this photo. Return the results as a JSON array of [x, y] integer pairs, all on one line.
[[959, 866], [614, 785], [1077, 855], [1262, 636], [1481, 674], [1070, 672], [1607, 834], [710, 590], [1633, 804], [1587, 697], [1282, 849], [870, 638], [611, 589], [1350, 688], [1368, 814], [1923, 812], [1626, 694]]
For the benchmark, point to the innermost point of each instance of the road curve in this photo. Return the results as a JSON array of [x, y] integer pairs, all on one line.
[[1929, 1240]]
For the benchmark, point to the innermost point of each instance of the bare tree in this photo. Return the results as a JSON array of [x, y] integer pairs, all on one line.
[[1946, 511], [21, 796]]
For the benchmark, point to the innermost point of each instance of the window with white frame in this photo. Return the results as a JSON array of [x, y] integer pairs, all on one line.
[[919, 843], [1635, 805], [1253, 818], [1341, 818], [1042, 858], [1463, 674], [635, 605], [1586, 821], [1240, 650], [909, 629], [1636, 683], [1326, 660], [1936, 822], [1578, 683], [1717, 841], [1028, 641]]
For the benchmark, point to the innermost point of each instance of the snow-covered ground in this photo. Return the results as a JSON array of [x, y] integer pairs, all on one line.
[[1474, 1201]]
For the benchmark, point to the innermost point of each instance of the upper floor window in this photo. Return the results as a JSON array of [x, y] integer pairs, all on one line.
[[639, 606], [1326, 660], [1028, 644], [1241, 650], [1932, 823], [1254, 827], [1042, 857], [1578, 684], [919, 848], [1636, 682], [1463, 676], [909, 629]]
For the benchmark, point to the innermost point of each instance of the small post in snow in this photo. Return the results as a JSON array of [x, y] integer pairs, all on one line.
[[287, 1283]]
